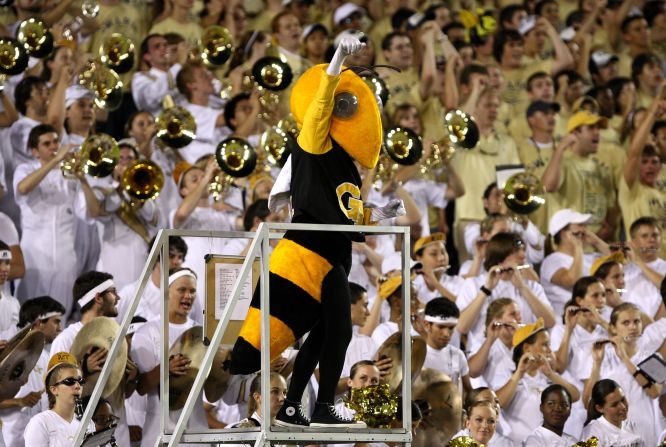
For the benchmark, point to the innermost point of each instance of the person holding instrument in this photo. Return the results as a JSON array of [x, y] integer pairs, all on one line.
[[340, 125]]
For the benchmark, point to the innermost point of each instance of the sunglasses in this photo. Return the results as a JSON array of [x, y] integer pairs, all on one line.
[[71, 381]]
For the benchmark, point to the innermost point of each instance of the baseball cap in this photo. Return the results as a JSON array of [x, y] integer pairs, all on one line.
[[527, 25], [76, 92], [542, 106], [564, 217], [289, 2], [525, 332], [568, 33], [344, 11], [585, 118], [601, 58]]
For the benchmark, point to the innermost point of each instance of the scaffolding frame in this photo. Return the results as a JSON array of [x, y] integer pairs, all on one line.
[[264, 435]]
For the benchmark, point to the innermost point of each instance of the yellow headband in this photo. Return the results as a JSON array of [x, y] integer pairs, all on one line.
[[427, 240], [617, 256]]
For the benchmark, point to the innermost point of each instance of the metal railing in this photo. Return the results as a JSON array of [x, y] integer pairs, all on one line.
[[265, 434]]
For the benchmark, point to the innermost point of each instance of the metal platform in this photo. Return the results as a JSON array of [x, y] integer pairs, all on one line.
[[264, 435]]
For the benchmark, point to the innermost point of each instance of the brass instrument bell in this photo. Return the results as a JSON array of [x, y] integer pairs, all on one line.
[[288, 124], [176, 127], [403, 145], [97, 157], [35, 37], [236, 157], [377, 86], [13, 57], [277, 145], [142, 180], [104, 83], [272, 73], [117, 53], [523, 193], [462, 129], [216, 45]]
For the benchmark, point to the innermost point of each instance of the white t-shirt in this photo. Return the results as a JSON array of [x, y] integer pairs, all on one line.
[[504, 289], [8, 233], [426, 193], [523, 414], [450, 360], [542, 437], [48, 429], [640, 290], [558, 295], [360, 348], [385, 330], [611, 436], [452, 283], [150, 303], [63, 342], [499, 366], [9, 315]]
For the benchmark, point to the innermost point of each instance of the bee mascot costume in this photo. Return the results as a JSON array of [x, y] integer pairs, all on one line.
[[309, 291]]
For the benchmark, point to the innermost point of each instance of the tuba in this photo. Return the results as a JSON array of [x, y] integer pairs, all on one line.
[[35, 37], [237, 159], [176, 126], [523, 193], [142, 180], [13, 57], [104, 83], [117, 53], [216, 46], [97, 157]]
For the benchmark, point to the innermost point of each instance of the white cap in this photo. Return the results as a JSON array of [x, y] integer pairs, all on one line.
[[564, 217], [344, 11], [601, 58], [527, 24], [360, 35], [76, 92], [394, 262], [568, 33], [312, 28]]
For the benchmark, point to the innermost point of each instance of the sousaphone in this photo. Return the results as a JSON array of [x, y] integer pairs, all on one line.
[[18, 359], [191, 345], [392, 348], [97, 334], [444, 416]]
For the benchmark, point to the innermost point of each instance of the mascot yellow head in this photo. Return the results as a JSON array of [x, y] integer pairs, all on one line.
[[356, 124]]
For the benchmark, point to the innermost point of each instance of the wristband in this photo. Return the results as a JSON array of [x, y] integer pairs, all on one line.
[[486, 290]]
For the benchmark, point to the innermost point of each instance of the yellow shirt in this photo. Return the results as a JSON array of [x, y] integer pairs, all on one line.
[[262, 22], [123, 19], [515, 92], [477, 169], [586, 186], [641, 200], [614, 157], [190, 31], [403, 88], [380, 29]]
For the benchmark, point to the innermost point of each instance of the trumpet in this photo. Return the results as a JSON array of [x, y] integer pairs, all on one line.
[[104, 83], [176, 126], [236, 159], [142, 180], [268, 75], [117, 53], [523, 193], [216, 45], [401, 147], [35, 37], [97, 157], [462, 129], [441, 152]]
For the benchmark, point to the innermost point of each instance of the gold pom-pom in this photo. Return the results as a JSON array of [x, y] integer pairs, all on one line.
[[375, 405], [592, 442], [464, 441]]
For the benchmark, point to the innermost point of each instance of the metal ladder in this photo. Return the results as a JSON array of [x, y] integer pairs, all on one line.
[[265, 435]]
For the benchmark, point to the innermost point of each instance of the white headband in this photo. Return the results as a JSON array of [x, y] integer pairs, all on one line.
[[180, 274], [92, 293], [440, 320], [49, 315], [5, 255]]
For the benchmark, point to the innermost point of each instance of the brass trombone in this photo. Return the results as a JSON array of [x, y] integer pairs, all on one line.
[[402, 146], [117, 53], [97, 157], [35, 37], [104, 83], [462, 133], [268, 75], [176, 126], [142, 180]]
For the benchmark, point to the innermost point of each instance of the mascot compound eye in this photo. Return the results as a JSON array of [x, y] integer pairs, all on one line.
[[346, 105]]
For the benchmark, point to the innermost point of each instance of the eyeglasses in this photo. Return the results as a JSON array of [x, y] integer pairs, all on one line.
[[70, 381], [106, 421]]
